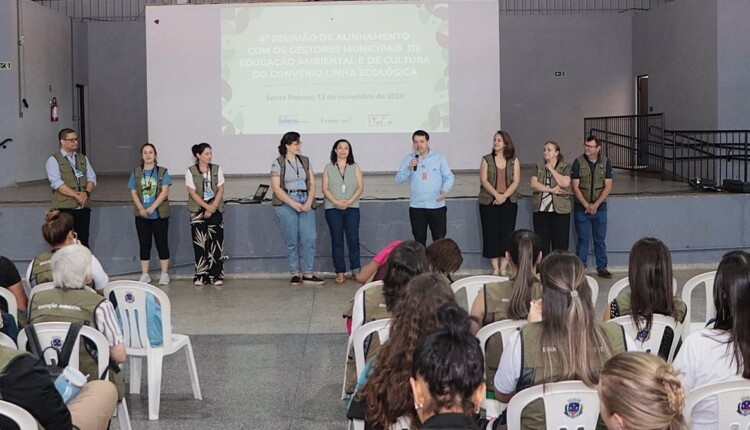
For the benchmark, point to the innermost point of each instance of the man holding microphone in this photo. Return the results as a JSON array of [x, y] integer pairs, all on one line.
[[430, 179]]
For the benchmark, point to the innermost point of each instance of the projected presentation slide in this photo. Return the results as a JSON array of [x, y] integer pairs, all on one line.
[[354, 68]]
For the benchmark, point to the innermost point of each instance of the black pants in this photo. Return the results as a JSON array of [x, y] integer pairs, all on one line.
[[156, 228], [498, 222], [81, 221], [553, 230], [420, 219]]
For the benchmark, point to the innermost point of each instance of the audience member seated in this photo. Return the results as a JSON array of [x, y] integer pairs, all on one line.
[[640, 391], [374, 270], [11, 280], [25, 381], [69, 302], [717, 354], [407, 260], [562, 342], [385, 394], [445, 257], [651, 290], [447, 374], [58, 232]]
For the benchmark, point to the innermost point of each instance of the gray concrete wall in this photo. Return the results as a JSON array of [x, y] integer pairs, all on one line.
[[734, 64], [676, 46], [8, 91], [593, 51]]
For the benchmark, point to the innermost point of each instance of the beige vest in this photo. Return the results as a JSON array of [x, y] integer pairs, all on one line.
[[68, 175], [164, 210], [486, 198], [592, 190], [194, 207], [560, 202]]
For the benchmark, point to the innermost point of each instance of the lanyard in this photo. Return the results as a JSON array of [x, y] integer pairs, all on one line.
[[296, 166], [148, 178], [74, 166], [340, 172]]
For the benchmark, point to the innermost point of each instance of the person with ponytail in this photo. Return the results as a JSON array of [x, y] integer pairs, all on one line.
[[447, 375], [563, 340], [640, 391], [719, 353], [651, 290]]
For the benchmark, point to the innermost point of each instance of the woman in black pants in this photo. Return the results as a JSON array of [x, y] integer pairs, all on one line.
[[149, 187], [551, 199]]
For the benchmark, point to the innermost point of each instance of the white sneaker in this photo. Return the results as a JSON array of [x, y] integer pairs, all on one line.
[[145, 278], [164, 279], [218, 282]]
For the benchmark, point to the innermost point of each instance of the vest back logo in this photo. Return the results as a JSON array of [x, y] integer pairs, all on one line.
[[743, 408], [574, 408], [129, 297]]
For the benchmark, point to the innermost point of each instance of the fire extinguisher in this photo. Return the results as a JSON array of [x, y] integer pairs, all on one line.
[[54, 108]]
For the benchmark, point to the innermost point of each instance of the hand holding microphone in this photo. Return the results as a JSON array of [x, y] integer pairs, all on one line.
[[414, 162]]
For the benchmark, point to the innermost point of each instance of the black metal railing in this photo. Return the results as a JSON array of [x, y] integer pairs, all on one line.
[[632, 142], [708, 154]]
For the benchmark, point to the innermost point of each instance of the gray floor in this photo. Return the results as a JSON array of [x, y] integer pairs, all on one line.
[[269, 356]]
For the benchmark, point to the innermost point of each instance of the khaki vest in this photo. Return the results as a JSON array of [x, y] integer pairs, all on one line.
[[592, 191], [532, 367], [59, 200], [560, 202], [282, 165], [41, 271], [7, 355], [375, 305], [486, 198], [164, 209], [623, 306], [198, 181]]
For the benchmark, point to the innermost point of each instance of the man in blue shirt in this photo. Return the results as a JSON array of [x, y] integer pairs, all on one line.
[[430, 179], [591, 181]]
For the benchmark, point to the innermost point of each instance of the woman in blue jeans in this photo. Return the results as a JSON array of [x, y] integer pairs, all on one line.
[[342, 186], [293, 184]]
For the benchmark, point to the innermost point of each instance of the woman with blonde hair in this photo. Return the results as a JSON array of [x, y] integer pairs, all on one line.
[[641, 391]]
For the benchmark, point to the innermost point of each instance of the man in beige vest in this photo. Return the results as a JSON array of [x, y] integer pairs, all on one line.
[[72, 179]]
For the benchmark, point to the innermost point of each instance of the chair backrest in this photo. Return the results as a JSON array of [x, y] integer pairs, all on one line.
[[11, 300], [21, 416], [652, 342], [6, 341], [381, 327], [567, 405], [358, 310], [472, 286], [131, 306], [54, 334], [732, 406], [623, 283], [504, 329], [594, 285], [707, 280]]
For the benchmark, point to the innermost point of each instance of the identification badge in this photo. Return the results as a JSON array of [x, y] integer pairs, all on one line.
[[299, 185], [79, 174], [208, 194], [343, 188], [147, 199], [424, 175]]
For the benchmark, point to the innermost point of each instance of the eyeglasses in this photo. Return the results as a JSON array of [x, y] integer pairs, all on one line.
[[74, 139], [589, 146]]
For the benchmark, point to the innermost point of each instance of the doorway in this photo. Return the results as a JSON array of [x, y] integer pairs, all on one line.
[[643, 142]]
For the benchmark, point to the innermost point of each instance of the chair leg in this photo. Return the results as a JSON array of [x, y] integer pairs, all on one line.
[[123, 415], [193, 371], [154, 363], [135, 375], [345, 396]]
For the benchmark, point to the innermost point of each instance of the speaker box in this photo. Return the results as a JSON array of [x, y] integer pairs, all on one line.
[[702, 184], [736, 186]]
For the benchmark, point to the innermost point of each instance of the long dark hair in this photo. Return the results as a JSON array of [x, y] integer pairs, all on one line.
[[524, 247], [287, 139], [509, 151], [155, 153], [732, 301], [349, 158], [650, 278], [407, 260]]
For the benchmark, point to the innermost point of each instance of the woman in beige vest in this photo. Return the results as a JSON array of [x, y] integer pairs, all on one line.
[[551, 199]]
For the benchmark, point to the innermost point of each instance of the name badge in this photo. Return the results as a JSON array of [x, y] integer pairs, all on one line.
[[208, 194], [79, 174], [424, 175], [343, 188], [299, 185], [147, 199]]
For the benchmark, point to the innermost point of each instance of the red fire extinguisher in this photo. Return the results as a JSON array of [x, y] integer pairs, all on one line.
[[54, 108]]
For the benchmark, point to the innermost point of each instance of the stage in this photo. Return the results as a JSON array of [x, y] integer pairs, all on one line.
[[697, 226]]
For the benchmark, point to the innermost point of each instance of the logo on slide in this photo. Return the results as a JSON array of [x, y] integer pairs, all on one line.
[[378, 120], [287, 120]]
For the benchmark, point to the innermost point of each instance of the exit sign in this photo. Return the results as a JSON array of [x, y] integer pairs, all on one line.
[[4, 65], [559, 73]]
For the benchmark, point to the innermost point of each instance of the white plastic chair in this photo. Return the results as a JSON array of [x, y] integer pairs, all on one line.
[[493, 407], [707, 279], [567, 405], [623, 283], [732, 406], [21, 416], [659, 324], [473, 285], [381, 327], [6, 341], [131, 305], [11, 300], [50, 333], [358, 319], [594, 285]]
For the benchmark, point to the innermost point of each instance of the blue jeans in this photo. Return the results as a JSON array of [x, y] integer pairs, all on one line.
[[298, 230], [342, 222], [586, 225]]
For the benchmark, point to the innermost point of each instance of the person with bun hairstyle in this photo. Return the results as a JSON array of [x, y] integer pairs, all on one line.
[[651, 290], [719, 353], [447, 376], [293, 185], [640, 391], [551, 199], [563, 340], [149, 187], [205, 186], [499, 176]]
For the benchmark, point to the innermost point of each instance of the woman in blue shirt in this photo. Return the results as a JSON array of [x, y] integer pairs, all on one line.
[[149, 188]]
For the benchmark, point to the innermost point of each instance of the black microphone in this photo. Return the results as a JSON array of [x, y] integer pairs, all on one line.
[[415, 166]]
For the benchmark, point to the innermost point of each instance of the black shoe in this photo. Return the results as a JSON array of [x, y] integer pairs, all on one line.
[[603, 273], [312, 280], [296, 280]]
